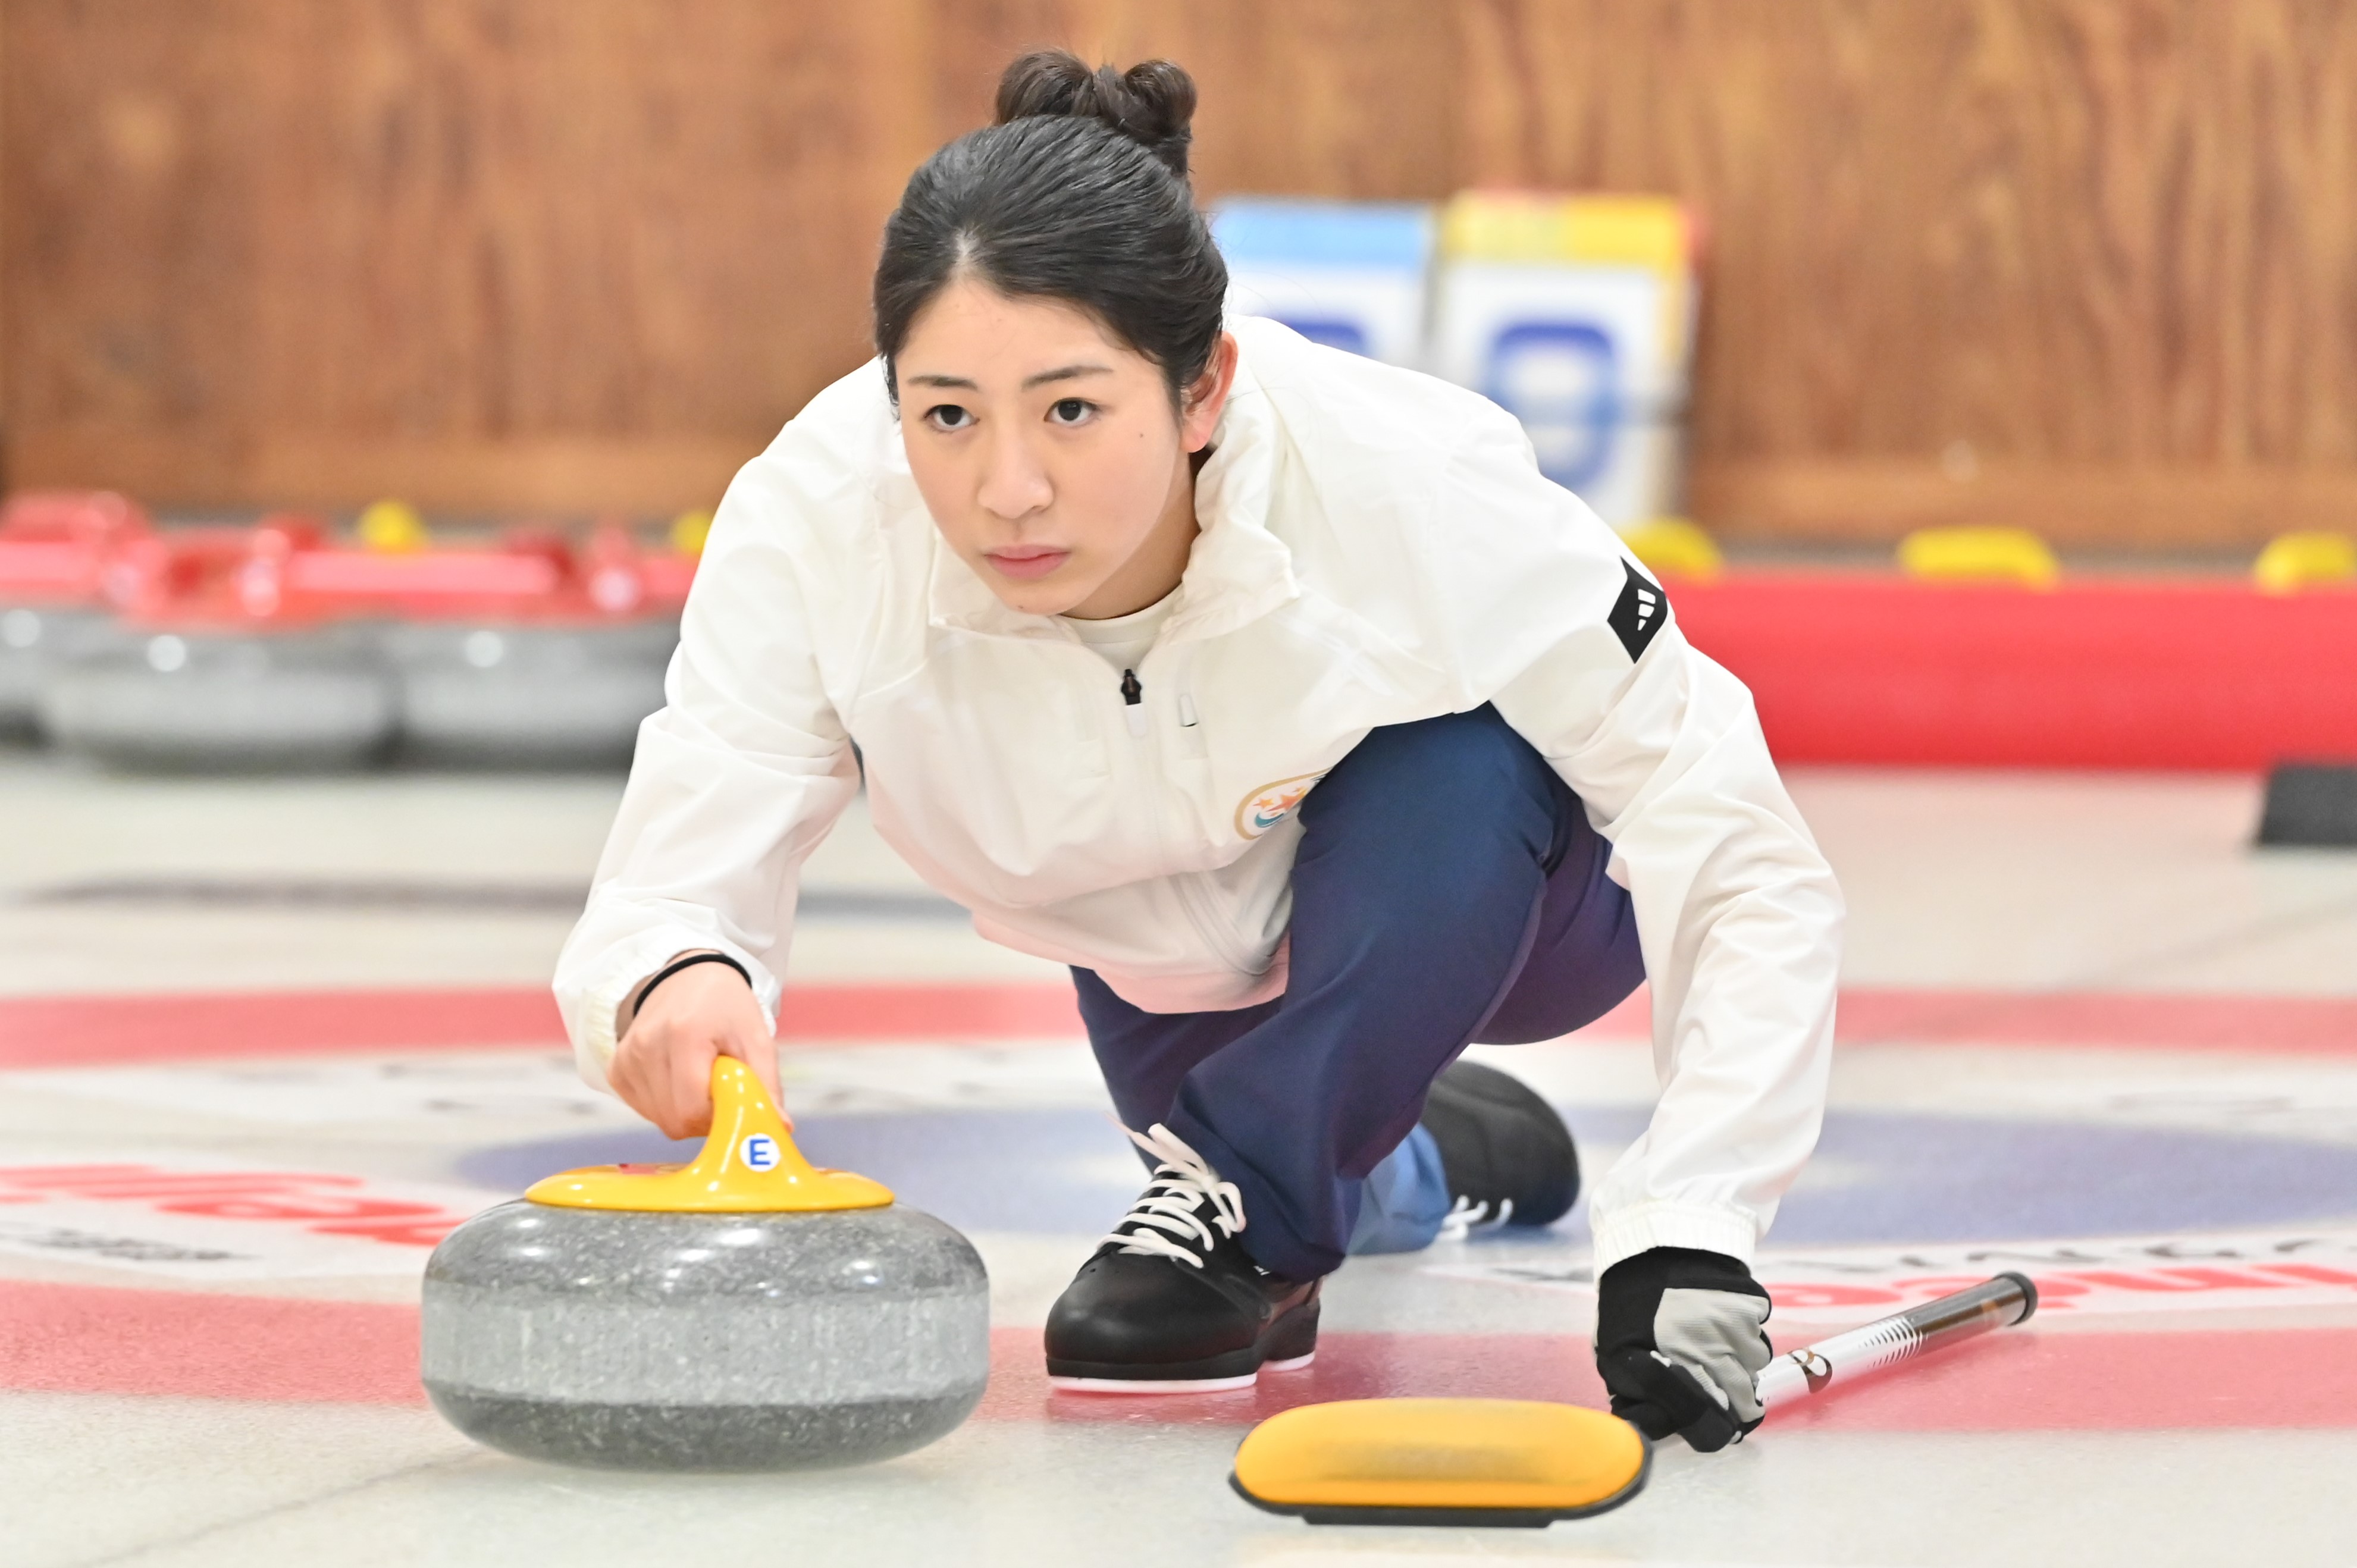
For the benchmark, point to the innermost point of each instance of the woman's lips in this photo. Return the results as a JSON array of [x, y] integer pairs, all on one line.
[[1027, 561]]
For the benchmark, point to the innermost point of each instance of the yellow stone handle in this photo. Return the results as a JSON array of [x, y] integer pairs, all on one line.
[[749, 1164]]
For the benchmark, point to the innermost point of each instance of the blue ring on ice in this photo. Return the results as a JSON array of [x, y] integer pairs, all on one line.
[[1879, 1177]]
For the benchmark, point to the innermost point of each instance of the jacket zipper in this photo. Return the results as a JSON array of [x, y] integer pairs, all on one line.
[[1201, 912], [1133, 698]]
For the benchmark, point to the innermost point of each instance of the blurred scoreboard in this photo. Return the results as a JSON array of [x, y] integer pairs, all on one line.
[[1575, 313], [1352, 276]]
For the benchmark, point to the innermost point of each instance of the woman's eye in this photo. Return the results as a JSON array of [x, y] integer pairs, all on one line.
[[1072, 411], [948, 416]]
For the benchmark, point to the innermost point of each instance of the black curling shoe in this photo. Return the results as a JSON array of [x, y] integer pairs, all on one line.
[[1171, 1303], [1507, 1156]]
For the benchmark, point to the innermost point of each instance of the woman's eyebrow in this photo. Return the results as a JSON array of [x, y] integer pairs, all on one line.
[[1065, 373], [1061, 373]]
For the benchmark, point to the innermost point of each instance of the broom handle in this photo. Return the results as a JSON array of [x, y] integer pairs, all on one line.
[[1997, 1303]]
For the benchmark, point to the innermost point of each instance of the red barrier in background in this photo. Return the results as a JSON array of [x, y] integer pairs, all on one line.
[[2199, 674], [1859, 668], [98, 551], [55, 545]]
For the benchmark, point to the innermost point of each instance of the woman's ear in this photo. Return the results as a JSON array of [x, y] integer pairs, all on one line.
[[1207, 395]]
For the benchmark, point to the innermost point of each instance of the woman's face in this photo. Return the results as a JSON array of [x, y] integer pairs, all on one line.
[[1048, 453]]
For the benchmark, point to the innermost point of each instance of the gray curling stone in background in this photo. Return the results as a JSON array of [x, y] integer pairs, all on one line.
[[528, 696], [745, 1312], [34, 640], [222, 701]]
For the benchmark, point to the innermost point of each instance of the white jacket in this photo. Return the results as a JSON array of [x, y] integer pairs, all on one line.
[[1377, 547]]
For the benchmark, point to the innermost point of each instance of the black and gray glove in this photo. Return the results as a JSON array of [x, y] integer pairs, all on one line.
[[1680, 1341]]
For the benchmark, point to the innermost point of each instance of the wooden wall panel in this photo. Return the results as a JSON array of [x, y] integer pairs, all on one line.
[[2111, 240], [1352, 97], [483, 236], [2090, 264]]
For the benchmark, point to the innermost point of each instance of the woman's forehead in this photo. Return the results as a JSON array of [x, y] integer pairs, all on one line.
[[970, 335]]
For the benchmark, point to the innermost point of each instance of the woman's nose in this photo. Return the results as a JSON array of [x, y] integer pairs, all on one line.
[[1014, 483]]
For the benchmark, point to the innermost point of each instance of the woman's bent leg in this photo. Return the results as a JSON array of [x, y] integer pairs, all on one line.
[[1145, 1056], [1420, 887], [1582, 961]]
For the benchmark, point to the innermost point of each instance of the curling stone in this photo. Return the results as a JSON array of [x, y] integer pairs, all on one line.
[[745, 1312], [55, 550], [231, 701], [546, 696], [34, 640]]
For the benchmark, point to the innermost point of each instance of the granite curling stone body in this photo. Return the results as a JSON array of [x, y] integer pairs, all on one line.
[[745, 1312], [528, 696]]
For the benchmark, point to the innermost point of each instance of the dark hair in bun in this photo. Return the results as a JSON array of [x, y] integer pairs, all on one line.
[[1152, 103], [1079, 193]]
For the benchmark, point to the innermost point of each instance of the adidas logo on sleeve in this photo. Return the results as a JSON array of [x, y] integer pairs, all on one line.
[[1641, 610]]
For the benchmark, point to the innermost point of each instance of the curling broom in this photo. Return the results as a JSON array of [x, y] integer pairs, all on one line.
[[1524, 1462], [1997, 1303]]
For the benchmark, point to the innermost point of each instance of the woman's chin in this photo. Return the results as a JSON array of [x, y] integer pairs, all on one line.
[[1050, 596]]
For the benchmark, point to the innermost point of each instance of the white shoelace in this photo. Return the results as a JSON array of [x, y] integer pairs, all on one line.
[[1465, 1216], [1166, 1218]]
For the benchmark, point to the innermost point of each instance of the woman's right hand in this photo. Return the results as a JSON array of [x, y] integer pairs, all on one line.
[[663, 1064]]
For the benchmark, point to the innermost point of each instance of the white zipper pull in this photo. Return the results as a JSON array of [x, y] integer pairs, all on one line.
[[1133, 697], [1190, 728]]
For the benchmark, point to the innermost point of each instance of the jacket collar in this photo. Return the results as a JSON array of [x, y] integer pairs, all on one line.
[[1237, 572]]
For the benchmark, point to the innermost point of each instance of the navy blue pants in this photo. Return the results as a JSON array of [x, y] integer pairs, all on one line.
[[1448, 888]]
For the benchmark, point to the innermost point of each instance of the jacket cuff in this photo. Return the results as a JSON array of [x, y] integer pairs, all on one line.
[[1705, 1226], [590, 1010]]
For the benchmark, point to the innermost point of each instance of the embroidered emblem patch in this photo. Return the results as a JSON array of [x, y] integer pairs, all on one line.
[[1641, 610], [1271, 804]]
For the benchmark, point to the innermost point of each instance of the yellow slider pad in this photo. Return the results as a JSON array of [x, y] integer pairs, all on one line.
[[749, 1164], [1441, 1461]]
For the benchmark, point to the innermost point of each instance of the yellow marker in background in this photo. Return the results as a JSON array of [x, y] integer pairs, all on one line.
[[2294, 561], [1673, 547], [689, 530], [1983, 555], [393, 528]]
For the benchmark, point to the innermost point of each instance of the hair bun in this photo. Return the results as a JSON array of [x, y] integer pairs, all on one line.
[[1152, 103]]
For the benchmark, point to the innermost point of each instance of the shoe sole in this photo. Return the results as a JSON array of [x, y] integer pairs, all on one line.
[[1291, 1332], [1175, 1385]]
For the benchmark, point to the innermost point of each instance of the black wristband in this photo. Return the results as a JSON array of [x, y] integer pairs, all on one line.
[[690, 961]]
